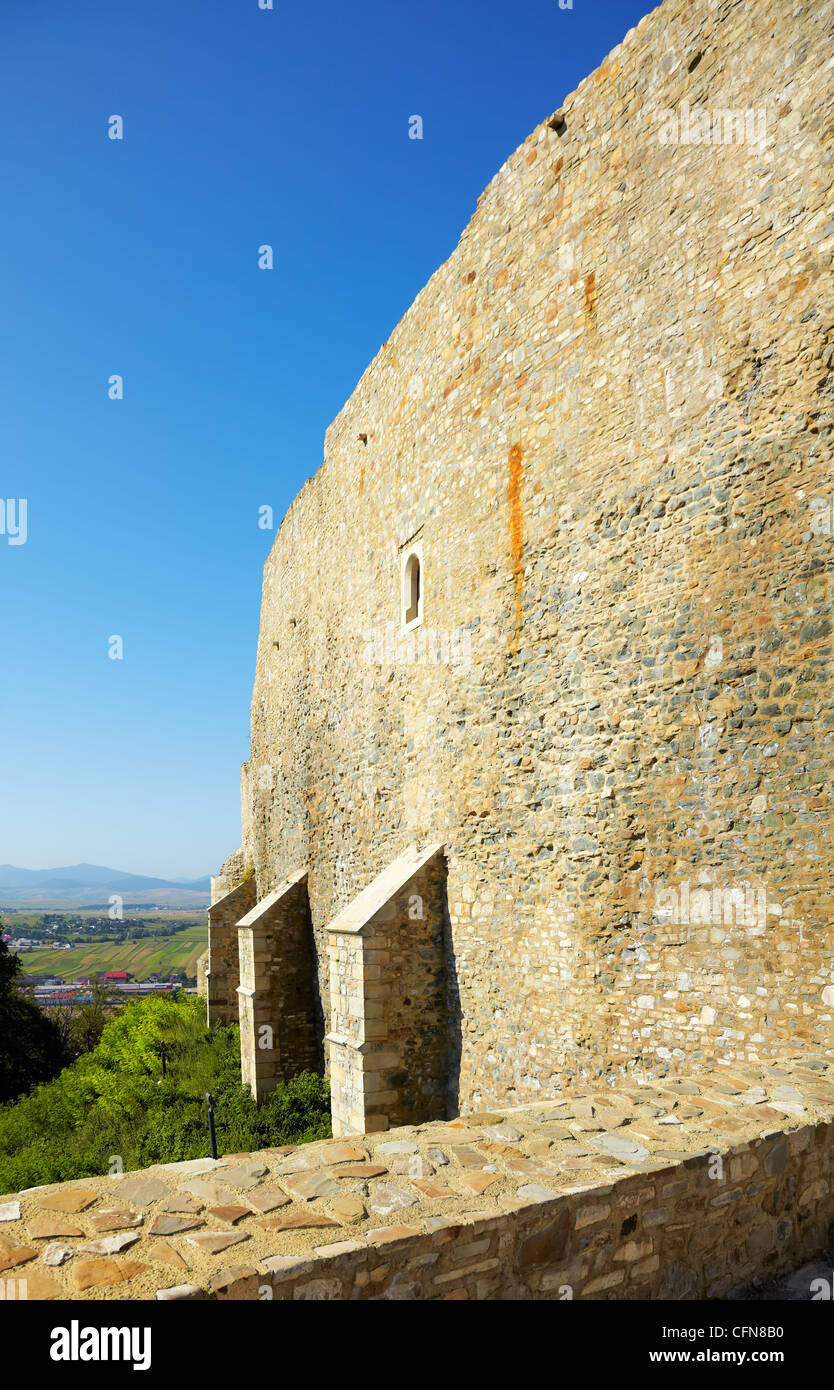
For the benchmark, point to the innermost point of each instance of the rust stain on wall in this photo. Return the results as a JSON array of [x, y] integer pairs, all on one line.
[[516, 530], [591, 297]]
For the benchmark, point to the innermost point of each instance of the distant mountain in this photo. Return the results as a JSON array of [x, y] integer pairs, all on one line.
[[82, 885]]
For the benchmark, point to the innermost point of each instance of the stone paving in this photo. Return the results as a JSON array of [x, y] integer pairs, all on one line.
[[175, 1229]]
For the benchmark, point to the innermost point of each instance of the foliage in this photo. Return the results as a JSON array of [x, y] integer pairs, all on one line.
[[111, 1102], [81, 1026], [31, 1047]]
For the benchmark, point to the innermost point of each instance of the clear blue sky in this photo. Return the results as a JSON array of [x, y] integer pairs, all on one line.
[[242, 126]]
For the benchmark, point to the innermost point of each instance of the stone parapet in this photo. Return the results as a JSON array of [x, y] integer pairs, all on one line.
[[686, 1189]]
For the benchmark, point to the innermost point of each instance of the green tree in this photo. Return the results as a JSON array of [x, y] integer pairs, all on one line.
[[113, 1100], [88, 1021], [31, 1046]]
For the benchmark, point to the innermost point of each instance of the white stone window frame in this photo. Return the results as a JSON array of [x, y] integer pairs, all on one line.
[[414, 550]]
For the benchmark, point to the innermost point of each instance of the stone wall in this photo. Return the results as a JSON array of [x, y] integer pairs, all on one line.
[[638, 1238], [606, 420], [202, 975], [688, 1189]]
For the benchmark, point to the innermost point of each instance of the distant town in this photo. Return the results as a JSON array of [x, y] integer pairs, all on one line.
[[67, 955], [51, 989]]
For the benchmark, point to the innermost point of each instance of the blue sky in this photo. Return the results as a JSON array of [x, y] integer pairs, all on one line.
[[139, 257]]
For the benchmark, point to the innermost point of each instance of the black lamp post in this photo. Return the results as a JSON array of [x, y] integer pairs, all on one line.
[[212, 1139]]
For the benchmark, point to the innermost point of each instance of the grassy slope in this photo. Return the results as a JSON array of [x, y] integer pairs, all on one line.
[[159, 954]]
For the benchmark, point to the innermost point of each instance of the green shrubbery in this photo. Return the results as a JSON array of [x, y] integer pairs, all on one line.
[[32, 1048], [111, 1102]]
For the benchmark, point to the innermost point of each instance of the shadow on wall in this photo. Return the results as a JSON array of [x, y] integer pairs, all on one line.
[[454, 1015], [316, 1002]]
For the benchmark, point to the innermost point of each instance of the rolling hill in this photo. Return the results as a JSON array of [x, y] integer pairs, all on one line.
[[82, 885]]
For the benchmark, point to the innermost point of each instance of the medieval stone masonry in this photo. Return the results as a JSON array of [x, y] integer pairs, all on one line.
[[537, 834], [551, 624]]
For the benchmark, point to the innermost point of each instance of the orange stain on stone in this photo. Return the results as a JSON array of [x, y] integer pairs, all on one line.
[[516, 530], [361, 480], [591, 297]]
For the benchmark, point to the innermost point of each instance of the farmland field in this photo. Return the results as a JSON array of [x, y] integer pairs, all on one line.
[[141, 958]]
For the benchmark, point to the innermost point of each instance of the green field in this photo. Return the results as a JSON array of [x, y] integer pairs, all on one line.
[[20, 921], [140, 958]]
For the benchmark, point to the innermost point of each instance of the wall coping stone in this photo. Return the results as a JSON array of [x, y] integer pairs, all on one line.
[[361, 910], [254, 918]]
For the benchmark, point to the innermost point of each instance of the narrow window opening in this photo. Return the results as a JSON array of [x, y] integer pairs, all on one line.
[[411, 586], [412, 589]]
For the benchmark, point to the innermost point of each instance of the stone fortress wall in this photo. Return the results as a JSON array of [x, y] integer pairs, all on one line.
[[567, 870], [605, 424]]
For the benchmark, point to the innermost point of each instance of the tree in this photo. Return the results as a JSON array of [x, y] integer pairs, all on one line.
[[113, 1100], [31, 1047], [88, 1022], [62, 1016]]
